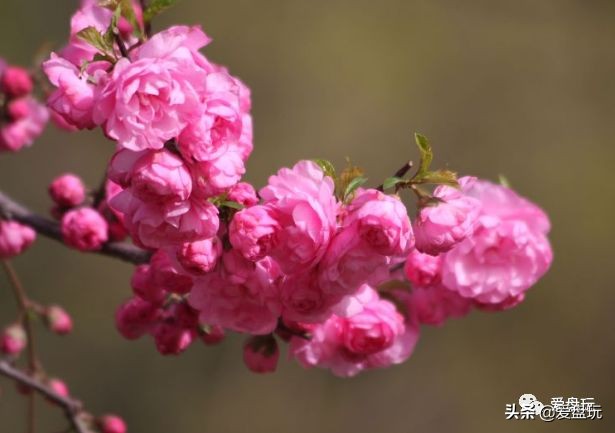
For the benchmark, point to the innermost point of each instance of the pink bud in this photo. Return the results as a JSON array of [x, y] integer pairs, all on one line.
[[58, 386], [135, 317], [84, 229], [67, 190], [13, 340], [58, 320], [243, 193], [172, 339], [15, 238], [16, 82], [261, 354], [111, 424], [212, 335], [18, 109], [200, 257]]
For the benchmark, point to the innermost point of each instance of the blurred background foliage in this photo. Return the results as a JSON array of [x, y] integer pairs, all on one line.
[[523, 88]]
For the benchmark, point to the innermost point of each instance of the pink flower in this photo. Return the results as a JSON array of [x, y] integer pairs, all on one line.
[[349, 263], [84, 229], [216, 176], [22, 132], [13, 340], [15, 82], [58, 320], [243, 193], [149, 101], [261, 354], [507, 252], [304, 300], [172, 339], [440, 227], [167, 274], [15, 238], [111, 424], [58, 386], [212, 335], [136, 317], [375, 337], [75, 94], [304, 205], [254, 232], [382, 221], [144, 286], [67, 190], [18, 108], [232, 297], [434, 305], [423, 270], [200, 257]]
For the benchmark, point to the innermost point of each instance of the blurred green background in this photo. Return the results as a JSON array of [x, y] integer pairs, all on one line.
[[523, 88]]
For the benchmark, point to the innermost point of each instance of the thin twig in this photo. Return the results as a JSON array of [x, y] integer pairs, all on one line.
[[12, 210], [72, 408], [401, 172]]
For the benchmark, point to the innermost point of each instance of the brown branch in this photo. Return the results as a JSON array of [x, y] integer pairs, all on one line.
[[10, 209], [72, 408], [401, 172]]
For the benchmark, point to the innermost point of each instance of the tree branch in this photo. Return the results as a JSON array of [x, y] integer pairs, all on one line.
[[72, 408], [10, 209]]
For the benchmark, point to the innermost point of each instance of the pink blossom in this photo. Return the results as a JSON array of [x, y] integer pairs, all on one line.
[[216, 176], [75, 94], [13, 340], [304, 205], [243, 193], [212, 335], [423, 270], [440, 227], [507, 252], [156, 225], [111, 424], [375, 337], [261, 354], [172, 339], [303, 299], [84, 229], [254, 232], [22, 132], [149, 101], [58, 386], [15, 238], [349, 263], [67, 190], [200, 257], [382, 221], [167, 273], [435, 304], [232, 297], [18, 108], [160, 176], [15, 81], [144, 286], [136, 317], [58, 320]]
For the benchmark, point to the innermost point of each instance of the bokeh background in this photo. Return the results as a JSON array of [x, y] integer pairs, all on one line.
[[523, 88]]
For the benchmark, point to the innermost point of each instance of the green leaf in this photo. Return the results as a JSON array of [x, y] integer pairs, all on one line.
[[113, 30], [156, 7], [96, 39], [232, 204], [426, 154], [441, 177], [326, 166], [353, 185], [390, 182], [504, 181], [128, 12]]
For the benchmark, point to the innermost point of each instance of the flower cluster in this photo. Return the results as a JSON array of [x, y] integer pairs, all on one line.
[[314, 259], [22, 117]]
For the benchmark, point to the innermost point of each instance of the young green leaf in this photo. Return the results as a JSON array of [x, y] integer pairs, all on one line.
[[326, 166], [504, 181], [232, 204], [353, 185], [96, 39], [156, 7], [390, 182], [441, 177], [426, 154]]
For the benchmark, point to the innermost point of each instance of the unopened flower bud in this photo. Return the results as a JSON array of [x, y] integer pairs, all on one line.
[[67, 190], [111, 424], [58, 320], [16, 82], [84, 229], [261, 353], [13, 340]]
